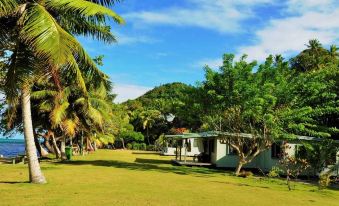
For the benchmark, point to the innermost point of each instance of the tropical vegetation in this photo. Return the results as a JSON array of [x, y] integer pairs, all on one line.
[[57, 96]]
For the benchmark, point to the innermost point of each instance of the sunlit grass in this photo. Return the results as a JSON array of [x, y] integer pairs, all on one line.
[[126, 178]]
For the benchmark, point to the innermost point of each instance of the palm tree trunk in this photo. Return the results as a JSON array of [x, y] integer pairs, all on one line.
[[147, 134], [63, 149], [42, 152], [37, 145], [123, 143], [55, 146], [48, 145], [35, 174]]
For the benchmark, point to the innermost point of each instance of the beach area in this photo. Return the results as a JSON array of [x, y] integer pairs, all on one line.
[[11, 147]]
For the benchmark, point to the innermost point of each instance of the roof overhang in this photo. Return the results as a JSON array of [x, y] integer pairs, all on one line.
[[213, 134]]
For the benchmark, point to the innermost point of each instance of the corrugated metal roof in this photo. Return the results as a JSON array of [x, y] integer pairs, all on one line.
[[228, 134]]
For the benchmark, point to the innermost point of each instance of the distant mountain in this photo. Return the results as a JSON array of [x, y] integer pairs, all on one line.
[[171, 91]]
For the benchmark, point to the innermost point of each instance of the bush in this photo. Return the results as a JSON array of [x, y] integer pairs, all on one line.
[[135, 146], [324, 181], [275, 172], [245, 174], [129, 146], [150, 148], [142, 146], [130, 136]]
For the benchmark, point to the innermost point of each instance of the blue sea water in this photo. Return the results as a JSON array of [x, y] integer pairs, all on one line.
[[12, 147]]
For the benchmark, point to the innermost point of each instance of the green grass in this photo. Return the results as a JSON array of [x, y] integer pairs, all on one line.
[[125, 178]]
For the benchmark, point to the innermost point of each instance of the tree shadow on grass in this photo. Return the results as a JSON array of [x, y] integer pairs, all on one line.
[[146, 153], [241, 184], [147, 165], [152, 161], [13, 182]]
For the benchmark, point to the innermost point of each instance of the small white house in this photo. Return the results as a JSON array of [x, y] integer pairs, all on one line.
[[189, 147], [218, 153]]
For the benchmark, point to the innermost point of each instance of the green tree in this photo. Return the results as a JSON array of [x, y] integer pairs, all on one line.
[[315, 57], [148, 119], [238, 101]]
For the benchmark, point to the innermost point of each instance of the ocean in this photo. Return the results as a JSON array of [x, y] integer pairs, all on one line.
[[12, 147]]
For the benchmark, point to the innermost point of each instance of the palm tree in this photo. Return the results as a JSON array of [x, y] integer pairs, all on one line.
[[333, 52], [42, 32], [148, 119]]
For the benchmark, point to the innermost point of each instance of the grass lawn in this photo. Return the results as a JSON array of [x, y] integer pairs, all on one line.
[[139, 178]]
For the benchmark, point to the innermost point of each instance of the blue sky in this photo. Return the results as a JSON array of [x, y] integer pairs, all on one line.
[[171, 40]]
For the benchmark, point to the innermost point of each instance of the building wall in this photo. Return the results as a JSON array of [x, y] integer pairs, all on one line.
[[196, 149], [263, 161]]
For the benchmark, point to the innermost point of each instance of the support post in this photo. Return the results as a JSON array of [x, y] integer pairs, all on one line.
[[180, 150], [185, 150], [176, 151]]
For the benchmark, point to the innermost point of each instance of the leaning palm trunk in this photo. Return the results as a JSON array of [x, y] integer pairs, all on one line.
[[55, 146], [35, 174], [63, 149], [41, 150]]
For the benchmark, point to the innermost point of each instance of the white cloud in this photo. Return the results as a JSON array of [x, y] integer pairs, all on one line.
[[219, 15], [128, 91], [212, 63], [289, 35], [301, 6], [124, 39]]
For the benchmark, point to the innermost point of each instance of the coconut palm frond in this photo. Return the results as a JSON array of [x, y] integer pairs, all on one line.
[[100, 104], [58, 113], [95, 116], [80, 101], [47, 39], [70, 126], [79, 25], [77, 75], [106, 3], [90, 70], [82, 7], [42, 94], [46, 106], [7, 7], [20, 67]]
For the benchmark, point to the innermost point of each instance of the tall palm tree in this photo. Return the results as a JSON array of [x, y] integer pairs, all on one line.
[[42, 31], [333, 52], [148, 118]]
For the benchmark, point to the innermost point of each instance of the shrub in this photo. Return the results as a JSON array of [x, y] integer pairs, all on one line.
[[274, 172], [142, 146], [135, 145], [245, 174], [129, 146], [150, 148], [324, 180], [129, 136]]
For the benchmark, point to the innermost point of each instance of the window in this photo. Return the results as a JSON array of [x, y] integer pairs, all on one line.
[[211, 145], [276, 150], [188, 145]]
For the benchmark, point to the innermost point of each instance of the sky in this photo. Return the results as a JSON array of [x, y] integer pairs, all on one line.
[[167, 41]]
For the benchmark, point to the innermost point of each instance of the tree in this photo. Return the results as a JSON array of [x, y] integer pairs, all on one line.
[[148, 119], [318, 154], [41, 32], [293, 166], [130, 136], [315, 57], [243, 106]]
